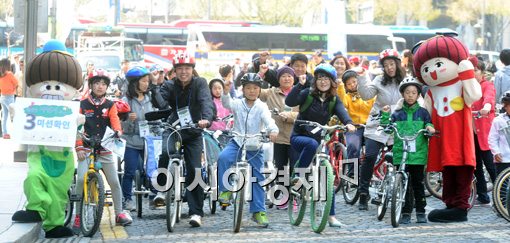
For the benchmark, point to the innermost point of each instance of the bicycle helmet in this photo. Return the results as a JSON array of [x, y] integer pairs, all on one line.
[[409, 81], [156, 68], [99, 74], [388, 53], [251, 78], [137, 72], [349, 74], [326, 69], [183, 59], [505, 98]]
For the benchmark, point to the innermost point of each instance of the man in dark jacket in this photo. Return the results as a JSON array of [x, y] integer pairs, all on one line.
[[261, 67], [191, 102]]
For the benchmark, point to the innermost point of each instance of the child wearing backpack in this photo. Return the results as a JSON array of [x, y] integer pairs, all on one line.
[[409, 119], [317, 103]]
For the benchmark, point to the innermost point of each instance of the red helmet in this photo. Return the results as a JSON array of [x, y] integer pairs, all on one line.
[[98, 74], [183, 59], [388, 53]]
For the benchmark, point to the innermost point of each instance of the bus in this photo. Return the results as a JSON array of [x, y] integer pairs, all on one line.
[[215, 45], [415, 34]]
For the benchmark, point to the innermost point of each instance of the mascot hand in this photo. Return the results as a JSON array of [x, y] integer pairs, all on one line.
[[80, 120], [466, 70]]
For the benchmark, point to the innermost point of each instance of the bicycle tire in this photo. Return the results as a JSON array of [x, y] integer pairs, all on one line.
[[472, 195], [349, 190], [96, 186], [299, 198], [397, 200], [238, 210], [500, 192], [138, 196], [318, 224], [434, 184], [211, 177], [385, 196], [69, 209], [171, 205], [337, 169]]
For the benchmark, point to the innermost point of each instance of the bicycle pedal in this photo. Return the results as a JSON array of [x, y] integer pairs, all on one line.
[[109, 204], [376, 201]]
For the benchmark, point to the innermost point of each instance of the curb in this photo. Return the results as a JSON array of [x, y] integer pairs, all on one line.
[[21, 232]]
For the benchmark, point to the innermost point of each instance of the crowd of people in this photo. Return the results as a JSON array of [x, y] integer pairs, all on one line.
[[358, 92]]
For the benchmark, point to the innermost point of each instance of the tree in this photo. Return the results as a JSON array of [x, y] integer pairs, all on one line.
[[386, 11], [6, 9]]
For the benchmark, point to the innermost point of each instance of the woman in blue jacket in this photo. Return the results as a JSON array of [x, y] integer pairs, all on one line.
[[323, 91]]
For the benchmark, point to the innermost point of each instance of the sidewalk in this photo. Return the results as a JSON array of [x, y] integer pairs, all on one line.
[[12, 175]]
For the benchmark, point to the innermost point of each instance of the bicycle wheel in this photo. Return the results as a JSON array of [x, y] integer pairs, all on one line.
[[397, 199], [384, 194], [472, 195], [297, 202], [92, 205], [337, 166], [138, 187], [69, 209], [238, 209], [349, 190], [172, 205], [500, 192], [434, 184], [319, 210], [211, 177]]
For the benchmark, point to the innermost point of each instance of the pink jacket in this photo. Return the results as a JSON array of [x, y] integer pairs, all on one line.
[[483, 124], [220, 113]]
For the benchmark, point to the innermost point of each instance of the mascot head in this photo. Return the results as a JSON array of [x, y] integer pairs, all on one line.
[[54, 74], [436, 60]]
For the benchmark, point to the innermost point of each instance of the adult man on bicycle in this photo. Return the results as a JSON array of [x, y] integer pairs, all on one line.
[[190, 100]]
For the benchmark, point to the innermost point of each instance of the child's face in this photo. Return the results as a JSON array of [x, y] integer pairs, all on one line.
[[351, 84], [217, 89], [410, 94], [99, 88], [143, 84], [251, 91]]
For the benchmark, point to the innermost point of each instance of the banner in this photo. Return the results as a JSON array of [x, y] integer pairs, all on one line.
[[45, 122]]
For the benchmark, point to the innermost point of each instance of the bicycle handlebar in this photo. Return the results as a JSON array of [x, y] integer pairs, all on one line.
[[393, 127], [325, 127], [95, 141]]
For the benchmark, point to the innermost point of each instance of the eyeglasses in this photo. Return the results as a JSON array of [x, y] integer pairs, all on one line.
[[323, 79]]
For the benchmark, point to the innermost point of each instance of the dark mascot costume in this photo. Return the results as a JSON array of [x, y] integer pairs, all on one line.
[[53, 74], [441, 63]]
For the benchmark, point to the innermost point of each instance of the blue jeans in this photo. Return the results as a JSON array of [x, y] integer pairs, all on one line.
[[228, 157], [308, 147], [132, 159], [6, 100], [354, 142]]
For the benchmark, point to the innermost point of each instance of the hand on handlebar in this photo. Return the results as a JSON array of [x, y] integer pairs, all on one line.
[[272, 136], [350, 128], [81, 155], [203, 123], [431, 130]]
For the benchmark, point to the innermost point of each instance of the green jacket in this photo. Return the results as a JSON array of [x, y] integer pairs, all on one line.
[[409, 120]]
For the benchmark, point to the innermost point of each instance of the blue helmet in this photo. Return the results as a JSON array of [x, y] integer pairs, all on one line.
[[137, 72], [327, 69], [54, 45]]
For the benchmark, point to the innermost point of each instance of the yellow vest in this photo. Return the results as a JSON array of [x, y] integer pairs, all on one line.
[[357, 108]]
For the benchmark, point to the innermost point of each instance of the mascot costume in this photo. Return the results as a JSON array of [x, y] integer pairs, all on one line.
[[53, 74], [441, 63]]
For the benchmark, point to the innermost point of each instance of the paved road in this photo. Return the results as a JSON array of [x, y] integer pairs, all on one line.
[[483, 226]]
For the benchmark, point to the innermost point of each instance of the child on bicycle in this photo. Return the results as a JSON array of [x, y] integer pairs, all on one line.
[[497, 139], [250, 115], [304, 138], [100, 112], [409, 119]]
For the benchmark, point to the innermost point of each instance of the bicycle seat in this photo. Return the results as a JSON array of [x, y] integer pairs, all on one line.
[[389, 157], [156, 115]]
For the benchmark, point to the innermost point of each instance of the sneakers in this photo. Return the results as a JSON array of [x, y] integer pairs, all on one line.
[[159, 200], [76, 226], [129, 205], [195, 220], [333, 222], [123, 219], [420, 218], [406, 218], [261, 219], [224, 198], [363, 202]]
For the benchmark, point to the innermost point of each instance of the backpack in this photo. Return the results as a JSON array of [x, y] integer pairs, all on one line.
[[309, 100]]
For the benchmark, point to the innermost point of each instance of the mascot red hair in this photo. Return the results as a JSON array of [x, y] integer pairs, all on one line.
[[441, 63]]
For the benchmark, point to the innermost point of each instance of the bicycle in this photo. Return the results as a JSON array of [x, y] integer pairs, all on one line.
[[300, 194], [93, 197], [501, 190], [240, 176], [400, 181]]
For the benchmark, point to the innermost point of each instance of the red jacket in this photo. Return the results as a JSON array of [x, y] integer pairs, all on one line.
[[483, 124]]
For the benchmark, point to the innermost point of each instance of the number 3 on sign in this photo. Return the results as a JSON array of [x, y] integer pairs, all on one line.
[[30, 122]]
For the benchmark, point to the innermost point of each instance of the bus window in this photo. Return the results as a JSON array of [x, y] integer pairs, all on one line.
[[368, 43]]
